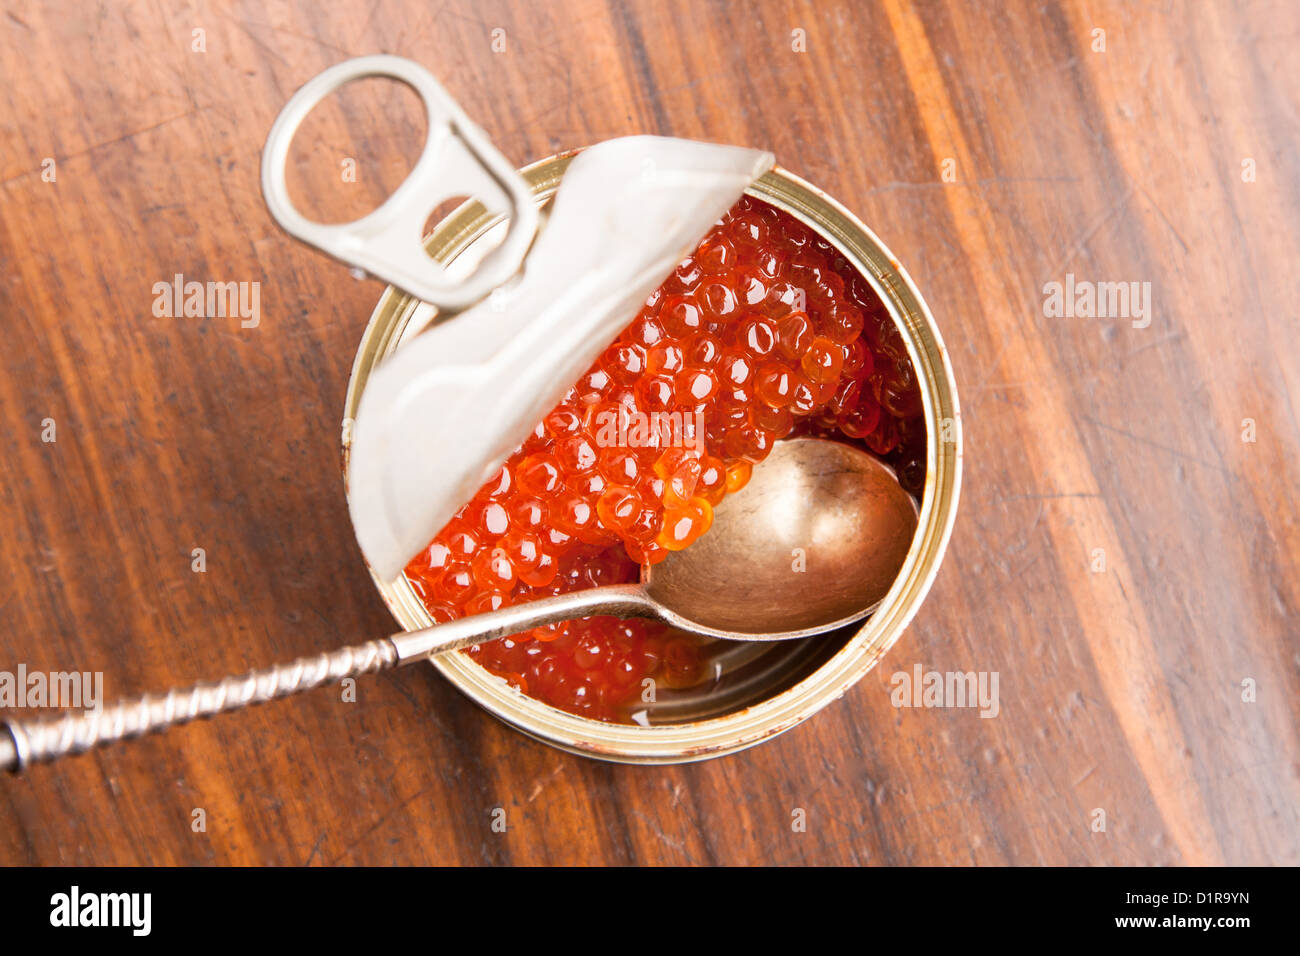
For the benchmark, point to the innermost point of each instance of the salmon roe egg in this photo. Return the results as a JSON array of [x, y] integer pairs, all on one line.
[[764, 332]]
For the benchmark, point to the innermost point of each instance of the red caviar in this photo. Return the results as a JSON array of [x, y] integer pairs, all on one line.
[[765, 331]]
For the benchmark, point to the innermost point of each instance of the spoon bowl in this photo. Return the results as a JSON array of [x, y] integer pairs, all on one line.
[[813, 542]]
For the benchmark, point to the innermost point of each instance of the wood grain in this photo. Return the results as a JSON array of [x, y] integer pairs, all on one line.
[[1121, 689]]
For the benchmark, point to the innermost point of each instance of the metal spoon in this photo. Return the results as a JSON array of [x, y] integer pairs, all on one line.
[[813, 542]]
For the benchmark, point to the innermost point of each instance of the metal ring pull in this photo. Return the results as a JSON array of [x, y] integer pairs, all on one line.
[[458, 159]]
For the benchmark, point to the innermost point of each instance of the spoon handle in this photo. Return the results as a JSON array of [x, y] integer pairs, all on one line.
[[36, 741]]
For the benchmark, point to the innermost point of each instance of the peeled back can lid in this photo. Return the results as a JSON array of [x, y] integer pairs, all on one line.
[[443, 414]]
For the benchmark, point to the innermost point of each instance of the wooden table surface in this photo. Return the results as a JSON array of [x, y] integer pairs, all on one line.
[[995, 148]]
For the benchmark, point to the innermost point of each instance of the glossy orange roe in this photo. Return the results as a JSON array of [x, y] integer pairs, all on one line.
[[763, 332]]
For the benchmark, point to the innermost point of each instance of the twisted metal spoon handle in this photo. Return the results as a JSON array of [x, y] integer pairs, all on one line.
[[34, 741], [40, 740]]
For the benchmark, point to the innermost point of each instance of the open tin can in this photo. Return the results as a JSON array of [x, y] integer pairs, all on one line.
[[777, 685]]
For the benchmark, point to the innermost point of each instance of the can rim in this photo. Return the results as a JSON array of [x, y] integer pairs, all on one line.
[[715, 736]]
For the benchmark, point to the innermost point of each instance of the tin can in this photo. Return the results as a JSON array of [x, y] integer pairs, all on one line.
[[786, 682]]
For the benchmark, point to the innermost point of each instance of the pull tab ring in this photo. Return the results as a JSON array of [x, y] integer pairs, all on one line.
[[458, 159]]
